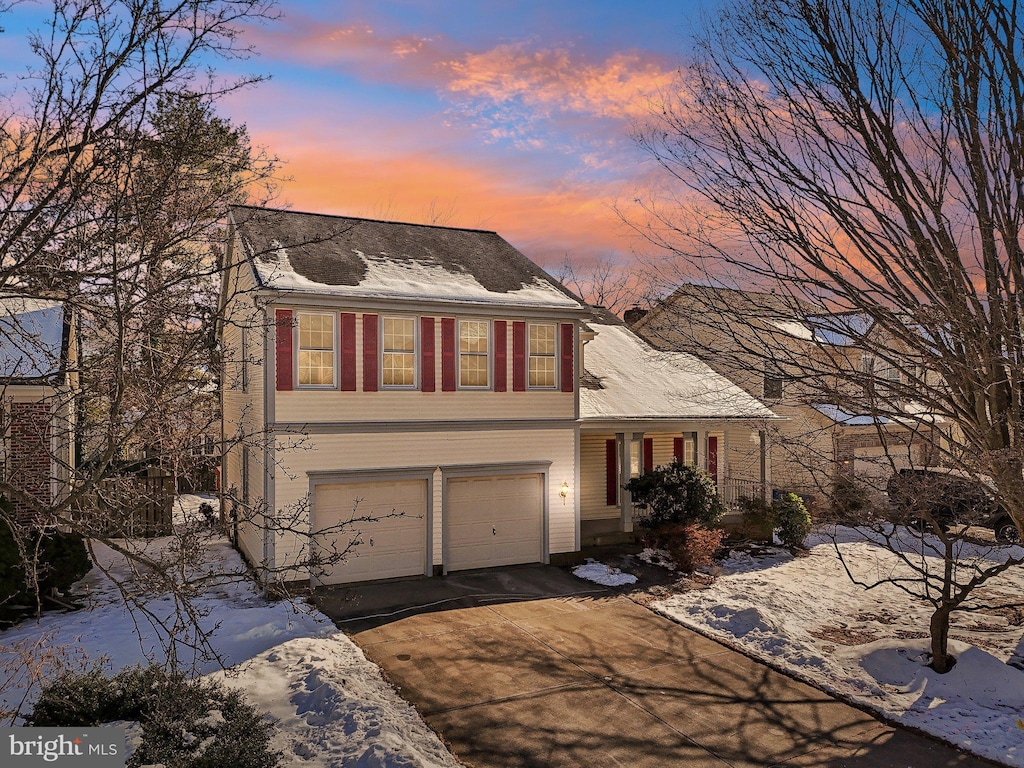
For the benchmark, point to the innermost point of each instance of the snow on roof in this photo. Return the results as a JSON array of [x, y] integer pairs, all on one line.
[[641, 382], [840, 416], [31, 337], [365, 258]]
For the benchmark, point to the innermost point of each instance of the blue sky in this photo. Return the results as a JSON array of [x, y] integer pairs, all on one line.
[[514, 116]]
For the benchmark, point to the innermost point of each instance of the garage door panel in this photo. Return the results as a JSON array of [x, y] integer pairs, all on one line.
[[391, 544], [494, 520]]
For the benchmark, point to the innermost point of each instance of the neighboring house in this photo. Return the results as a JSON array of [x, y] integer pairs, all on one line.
[[802, 365], [425, 370], [37, 411], [641, 407]]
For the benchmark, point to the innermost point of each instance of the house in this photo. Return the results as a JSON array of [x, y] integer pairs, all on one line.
[[641, 407], [428, 377], [37, 413], [805, 363]]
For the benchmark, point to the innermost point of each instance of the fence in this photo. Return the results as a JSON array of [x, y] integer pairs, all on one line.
[[730, 491], [132, 506]]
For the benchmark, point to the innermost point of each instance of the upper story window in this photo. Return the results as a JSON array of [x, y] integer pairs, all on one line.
[[542, 356], [473, 353], [774, 384], [316, 349], [399, 352]]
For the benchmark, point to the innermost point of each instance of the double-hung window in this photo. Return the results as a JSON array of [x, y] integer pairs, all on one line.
[[474, 348], [542, 356], [399, 352], [316, 349]]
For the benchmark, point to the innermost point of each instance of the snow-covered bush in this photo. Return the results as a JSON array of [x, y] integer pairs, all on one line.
[[185, 723], [690, 545], [792, 520]]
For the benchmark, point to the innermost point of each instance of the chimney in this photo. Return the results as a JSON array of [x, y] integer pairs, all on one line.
[[633, 315]]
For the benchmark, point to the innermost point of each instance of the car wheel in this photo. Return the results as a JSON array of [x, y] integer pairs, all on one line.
[[1007, 532]]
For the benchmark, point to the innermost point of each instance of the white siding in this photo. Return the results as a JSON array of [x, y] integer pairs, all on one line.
[[347, 452]]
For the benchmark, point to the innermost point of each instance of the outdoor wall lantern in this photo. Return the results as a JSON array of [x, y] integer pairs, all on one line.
[[564, 491]]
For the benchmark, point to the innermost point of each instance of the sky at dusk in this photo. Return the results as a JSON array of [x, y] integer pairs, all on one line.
[[512, 116]]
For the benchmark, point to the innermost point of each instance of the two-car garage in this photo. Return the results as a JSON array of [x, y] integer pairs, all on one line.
[[386, 526]]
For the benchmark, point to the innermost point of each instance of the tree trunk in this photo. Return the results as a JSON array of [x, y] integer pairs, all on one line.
[[942, 662]]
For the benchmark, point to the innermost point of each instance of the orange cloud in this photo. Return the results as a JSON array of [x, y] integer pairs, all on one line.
[[618, 87]]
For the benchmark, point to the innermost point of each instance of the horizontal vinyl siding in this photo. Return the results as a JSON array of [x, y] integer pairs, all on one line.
[[305, 406], [743, 453], [372, 451]]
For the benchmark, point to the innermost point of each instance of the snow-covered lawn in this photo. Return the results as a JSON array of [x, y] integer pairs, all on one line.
[[332, 705], [804, 614]]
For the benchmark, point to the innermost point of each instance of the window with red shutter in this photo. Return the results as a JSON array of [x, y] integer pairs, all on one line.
[[500, 356], [427, 355], [518, 357], [283, 350], [568, 347], [611, 473], [369, 353], [648, 454], [348, 352], [447, 354]]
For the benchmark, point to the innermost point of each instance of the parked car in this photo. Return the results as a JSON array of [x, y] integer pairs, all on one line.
[[948, 497]]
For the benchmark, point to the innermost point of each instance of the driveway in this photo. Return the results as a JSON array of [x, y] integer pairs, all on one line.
[[531, 667]]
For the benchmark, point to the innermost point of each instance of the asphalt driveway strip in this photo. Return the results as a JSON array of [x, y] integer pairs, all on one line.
[[529, 666]]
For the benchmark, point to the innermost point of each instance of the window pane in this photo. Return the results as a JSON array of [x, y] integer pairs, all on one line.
[[399, 369], [316, 367], [542, 371], [473, 336], [473, 371], [542, 340], [316, 331], [399, 334]]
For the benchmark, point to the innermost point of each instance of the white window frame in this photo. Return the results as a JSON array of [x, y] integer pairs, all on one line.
[[298, 349], [459, 353], [555, 357], [415, 353]]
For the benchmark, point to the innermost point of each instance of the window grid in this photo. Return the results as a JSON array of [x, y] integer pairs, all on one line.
[[398, 363], [316, 349], [543, 350], [473, 353]]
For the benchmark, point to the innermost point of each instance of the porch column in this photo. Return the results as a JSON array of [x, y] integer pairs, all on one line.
[[763, 437], [625, 502]]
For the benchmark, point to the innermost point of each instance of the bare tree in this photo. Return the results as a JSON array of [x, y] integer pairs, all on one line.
[[603, 282], [116, 173], [860, 161]]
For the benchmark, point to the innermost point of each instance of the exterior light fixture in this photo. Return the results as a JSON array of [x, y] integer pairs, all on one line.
[[564, 491]]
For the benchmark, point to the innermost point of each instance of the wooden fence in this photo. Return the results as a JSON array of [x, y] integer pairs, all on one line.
[[132, 506]]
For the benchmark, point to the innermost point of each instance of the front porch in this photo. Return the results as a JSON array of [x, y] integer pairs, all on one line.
[[734, 454]]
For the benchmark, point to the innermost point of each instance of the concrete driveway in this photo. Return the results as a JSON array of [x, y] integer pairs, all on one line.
[[531, 667]]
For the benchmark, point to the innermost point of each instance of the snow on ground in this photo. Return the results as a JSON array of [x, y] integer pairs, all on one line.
[[805, 614], [332, 705], [603, 574]]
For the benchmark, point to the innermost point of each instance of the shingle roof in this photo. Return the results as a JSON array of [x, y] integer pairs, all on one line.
[[342, 255]]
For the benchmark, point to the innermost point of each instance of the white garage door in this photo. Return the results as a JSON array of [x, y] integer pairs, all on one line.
[[494, 520], [393, 544]]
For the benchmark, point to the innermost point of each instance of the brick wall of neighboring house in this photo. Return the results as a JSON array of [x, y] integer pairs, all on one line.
[[28, 456]]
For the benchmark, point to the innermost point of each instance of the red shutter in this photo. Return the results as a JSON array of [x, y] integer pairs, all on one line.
[[447, 354], [369, 353], [611, 473], [500, 356], [648, 454], [677, 449], [518, 357], [348, 352], [568, 347], [713, 458], [283, 348], [427, 354]]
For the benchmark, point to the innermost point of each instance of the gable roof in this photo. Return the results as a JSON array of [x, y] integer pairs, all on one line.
[[33, 339], [367, 258], [629, 379]]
